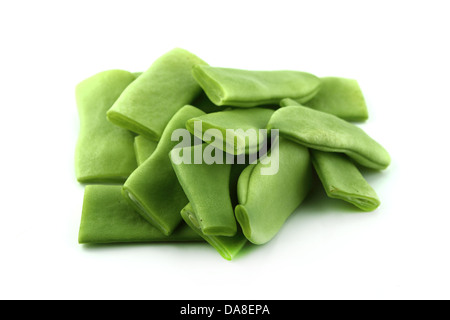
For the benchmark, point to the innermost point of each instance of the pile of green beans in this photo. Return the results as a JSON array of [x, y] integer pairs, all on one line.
[[136, 126]]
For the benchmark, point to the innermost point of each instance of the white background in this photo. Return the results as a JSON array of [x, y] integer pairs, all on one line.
[[397, 50]]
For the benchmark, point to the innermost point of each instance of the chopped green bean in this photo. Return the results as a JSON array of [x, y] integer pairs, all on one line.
[[341, 179], [150, 102], [233, 126], [266, 201], [108, 218], [207, 186], [326, 132], [228, 247], [341, 97], [246, 88], [153, 188], [104, 153]]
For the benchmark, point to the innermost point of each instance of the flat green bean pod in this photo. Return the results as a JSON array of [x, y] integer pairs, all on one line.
[[107, 218], [341, 179], [228, 247], [153, 189], [207, 186], [246, 88], [150, 102], [104, 153], [266, 201], [143, 148], [341, 97], [326, 132], [232, 126]]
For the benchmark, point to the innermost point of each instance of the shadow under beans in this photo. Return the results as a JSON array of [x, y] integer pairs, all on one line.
[[118, 245], [373, 174], [247, 250], [317, 202]]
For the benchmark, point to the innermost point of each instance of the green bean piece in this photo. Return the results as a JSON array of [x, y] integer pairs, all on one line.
[[153, 188], [286, 102], [143, 148], [341, 97], [104, 153], [147, 105], [233, 125], [107, 218], [228, 247], [341, 179], [207, 186], [326, 132], [267, 201], [338, 96], [246, 88]]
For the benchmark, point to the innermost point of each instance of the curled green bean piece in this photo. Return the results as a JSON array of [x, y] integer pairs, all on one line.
[[341, 97], [153, 188], [232, 126], [326, 132], [150, 102], [246, 88], [143, 148], [107, 218], [104, 153], [207, 186], [341, 179], [228, 247], [266, 201]]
